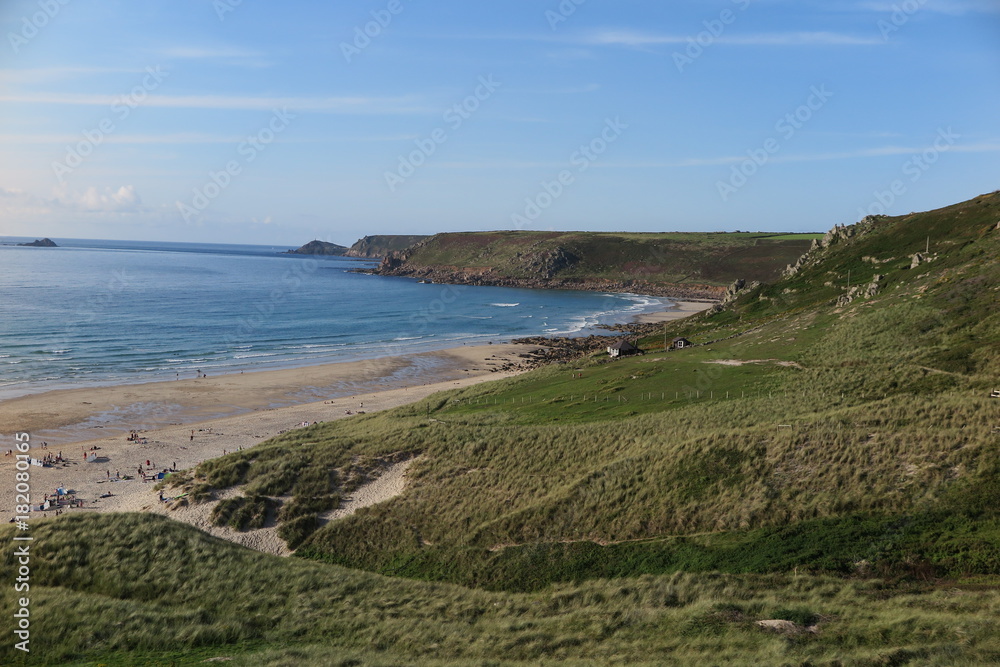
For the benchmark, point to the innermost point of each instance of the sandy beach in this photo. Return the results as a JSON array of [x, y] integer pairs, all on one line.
[[189, 421], [680, 310]]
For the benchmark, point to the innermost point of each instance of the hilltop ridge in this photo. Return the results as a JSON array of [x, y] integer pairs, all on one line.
[[682, 265]]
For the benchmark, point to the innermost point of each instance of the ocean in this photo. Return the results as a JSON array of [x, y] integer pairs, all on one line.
[[113, 312]]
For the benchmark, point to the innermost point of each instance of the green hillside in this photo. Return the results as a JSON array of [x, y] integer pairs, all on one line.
[[828, 453], [578, 258]]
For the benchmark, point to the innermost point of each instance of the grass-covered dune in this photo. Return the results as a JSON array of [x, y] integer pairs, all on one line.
[[697, 261], [143, 590]]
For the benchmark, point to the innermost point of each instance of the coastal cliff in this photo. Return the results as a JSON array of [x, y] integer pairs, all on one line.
[[379, 246], [678, 265]]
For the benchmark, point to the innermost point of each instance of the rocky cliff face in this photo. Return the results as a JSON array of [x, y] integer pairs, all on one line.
[[376, 247], [548, 265]]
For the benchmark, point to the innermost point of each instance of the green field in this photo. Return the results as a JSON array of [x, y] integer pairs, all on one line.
[[832, 464]]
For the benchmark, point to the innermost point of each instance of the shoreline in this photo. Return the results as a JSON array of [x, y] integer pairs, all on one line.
[[67, 416]]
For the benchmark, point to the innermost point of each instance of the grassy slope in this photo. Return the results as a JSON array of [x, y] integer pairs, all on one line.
[[700, 258], [141, 590]]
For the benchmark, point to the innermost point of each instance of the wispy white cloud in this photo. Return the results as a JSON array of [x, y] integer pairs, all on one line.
[[952, 7], [224, 55], [187, 138], [341, 105], [35, 75], [637, 39], [17, 202], [120, 200], [882, 151], [177, 138], [208, 53]]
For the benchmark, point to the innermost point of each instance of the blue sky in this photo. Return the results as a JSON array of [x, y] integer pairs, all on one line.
[[277, 123]]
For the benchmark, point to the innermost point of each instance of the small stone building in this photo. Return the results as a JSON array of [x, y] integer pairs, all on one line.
[[622, 348], [680, 344]]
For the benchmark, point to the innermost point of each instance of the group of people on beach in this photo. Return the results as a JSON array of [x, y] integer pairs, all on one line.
[[133, 436], [52, 459]]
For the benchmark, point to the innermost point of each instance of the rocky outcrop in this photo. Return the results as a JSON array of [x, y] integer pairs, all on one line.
[[548, 264], [839, 234], [738, 289], [40, 243], [320, 248], [919, 258], [377, 247], [859, 291]]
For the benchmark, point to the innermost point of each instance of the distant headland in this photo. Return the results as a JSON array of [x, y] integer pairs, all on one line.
[[370, 247]]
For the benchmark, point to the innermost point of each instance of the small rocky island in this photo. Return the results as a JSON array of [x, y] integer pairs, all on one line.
[[319, 248], [40, 243]]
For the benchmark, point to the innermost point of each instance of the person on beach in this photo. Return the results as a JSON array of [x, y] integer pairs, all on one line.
[[192, 436]]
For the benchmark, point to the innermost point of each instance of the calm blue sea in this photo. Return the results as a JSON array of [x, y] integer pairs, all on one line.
[[108, 312]]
